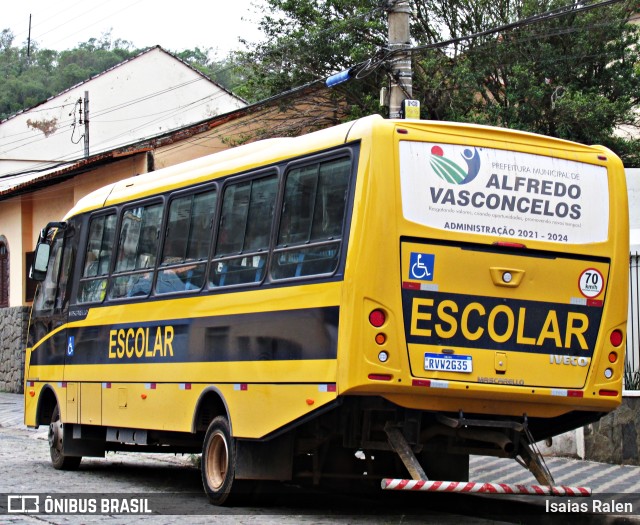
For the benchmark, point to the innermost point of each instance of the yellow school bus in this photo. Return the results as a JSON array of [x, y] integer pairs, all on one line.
[[378, 299]]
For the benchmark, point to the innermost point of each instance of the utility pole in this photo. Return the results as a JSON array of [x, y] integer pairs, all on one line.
[[400, 64], [29, 38], [86, 124]]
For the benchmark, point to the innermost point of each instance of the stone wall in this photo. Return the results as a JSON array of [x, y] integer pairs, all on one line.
[[615, 438], [13, 337]]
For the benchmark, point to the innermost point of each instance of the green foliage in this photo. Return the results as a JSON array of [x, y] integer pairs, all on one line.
[[574, 76], [223, 71], [307, 40], [571, 77], [27, 80]]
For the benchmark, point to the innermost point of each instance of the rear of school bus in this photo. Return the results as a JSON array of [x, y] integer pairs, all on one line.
[[486, 276]]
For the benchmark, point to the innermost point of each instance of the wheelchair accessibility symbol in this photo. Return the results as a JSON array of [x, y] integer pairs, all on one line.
[[70, 346], [421, 266]]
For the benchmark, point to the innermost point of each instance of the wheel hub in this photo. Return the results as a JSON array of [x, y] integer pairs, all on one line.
[[55, 434], [217, 461]]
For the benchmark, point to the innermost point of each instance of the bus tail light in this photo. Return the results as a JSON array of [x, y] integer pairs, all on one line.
[[380, 377], [613, 357], [612, 393], [616, 338], [377, 318]]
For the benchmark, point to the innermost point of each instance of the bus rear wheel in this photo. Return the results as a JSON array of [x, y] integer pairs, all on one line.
[[59, 460], [219, 464]]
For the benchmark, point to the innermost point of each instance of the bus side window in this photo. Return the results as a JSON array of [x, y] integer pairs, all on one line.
[[245, 231], [62, 297], [97, 259], [312, 220], [188, 238], [136, 252]]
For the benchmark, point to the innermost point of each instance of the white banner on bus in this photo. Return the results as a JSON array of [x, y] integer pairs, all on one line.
[[503, 193]]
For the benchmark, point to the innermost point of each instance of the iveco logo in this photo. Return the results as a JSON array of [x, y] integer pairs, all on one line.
[[568, 360]]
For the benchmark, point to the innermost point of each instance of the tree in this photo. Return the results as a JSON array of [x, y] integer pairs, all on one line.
[[310, 40], [29, 79], [573, 76], [570, 77], [222, 71]]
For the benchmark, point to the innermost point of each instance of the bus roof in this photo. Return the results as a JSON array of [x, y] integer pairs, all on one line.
[[269, 151], [202, 169]]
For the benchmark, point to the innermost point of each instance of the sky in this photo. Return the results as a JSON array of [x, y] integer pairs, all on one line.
[[175, 25]]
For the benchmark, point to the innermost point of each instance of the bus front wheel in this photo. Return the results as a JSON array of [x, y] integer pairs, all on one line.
[[59, 460], [219, 463]]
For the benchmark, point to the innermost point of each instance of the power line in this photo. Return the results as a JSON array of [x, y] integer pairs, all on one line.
[[576, 8], [383, 56], [55, 11], [85, 27], [111, 140], [365, 68], [104, 111], [70, 20]]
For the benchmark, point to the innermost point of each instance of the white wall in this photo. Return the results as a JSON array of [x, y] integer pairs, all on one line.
[[149, 95]]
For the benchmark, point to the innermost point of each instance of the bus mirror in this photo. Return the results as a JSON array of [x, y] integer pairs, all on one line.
[[40, 262]]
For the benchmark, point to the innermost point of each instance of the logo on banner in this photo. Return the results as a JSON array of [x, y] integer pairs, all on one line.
[[452, 172]]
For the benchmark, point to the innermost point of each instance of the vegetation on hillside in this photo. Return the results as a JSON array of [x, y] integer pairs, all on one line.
[[574, 76]]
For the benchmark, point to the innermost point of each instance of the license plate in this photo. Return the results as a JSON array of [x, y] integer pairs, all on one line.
[[448, 363]]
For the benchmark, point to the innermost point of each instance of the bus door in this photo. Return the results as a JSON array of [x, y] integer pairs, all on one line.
[[48, 338]]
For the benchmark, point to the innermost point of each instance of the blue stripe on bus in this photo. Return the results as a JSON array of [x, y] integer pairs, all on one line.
[[302, 334]]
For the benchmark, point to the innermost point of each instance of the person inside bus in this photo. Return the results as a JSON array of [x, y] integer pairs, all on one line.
[[139, 284], [91, 265], [179, 279]]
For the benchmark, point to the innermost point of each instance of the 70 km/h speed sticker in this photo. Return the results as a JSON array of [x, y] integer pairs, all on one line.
[[591, 283]]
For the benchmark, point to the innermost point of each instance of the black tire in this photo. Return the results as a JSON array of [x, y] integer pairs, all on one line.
[[59, 460], [218, 465]]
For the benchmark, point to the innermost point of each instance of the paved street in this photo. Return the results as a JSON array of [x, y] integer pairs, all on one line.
[[25, 469]]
